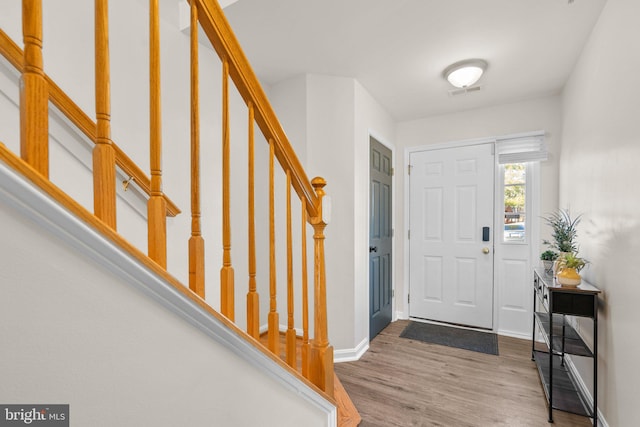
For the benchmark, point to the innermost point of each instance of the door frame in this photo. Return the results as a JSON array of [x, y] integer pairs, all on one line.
[[383, 141], [535, 197]]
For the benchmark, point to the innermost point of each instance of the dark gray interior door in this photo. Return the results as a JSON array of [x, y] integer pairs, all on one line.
[[380, 234]]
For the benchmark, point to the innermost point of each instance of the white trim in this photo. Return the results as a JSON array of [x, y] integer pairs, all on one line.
[[519, 335], [534, 211], [452, 325], [583, 387], [402, 315], [22, 196], [407, 200], [351, 354]]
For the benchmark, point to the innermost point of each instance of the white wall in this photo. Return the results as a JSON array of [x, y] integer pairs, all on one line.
[[538, 114], [371, 119], [334, 116], [330, 135], [599, 179]]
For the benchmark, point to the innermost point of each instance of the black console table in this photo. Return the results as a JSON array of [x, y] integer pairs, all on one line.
[[551, 304]]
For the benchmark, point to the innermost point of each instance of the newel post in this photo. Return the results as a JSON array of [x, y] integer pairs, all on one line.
[[34, 92], [321, 358]]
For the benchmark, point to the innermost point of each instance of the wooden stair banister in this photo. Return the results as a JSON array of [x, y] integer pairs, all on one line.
[[81, 120], [315, 362], [219, 33], [221, 37]]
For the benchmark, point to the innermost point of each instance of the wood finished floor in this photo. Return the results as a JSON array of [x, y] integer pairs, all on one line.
[[401, 382]]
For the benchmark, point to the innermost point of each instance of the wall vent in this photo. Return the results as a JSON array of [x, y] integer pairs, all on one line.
[[454, 92]]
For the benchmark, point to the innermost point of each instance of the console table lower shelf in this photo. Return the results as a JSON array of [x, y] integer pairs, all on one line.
[[567, 396]]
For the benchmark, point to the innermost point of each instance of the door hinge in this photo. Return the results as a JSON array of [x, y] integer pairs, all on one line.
[[408, 298], [393, 293], [393, 171], [393, 232], [408, 169], [409, 234]]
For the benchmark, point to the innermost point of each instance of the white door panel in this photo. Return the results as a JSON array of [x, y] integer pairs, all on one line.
[[451, 199]]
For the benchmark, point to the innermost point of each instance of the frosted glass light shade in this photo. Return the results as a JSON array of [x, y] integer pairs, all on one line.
[[465, 73]]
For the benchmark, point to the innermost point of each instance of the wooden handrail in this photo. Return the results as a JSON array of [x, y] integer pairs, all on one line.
[[316, 354], [12, 52], [236, 66], [217, 29]]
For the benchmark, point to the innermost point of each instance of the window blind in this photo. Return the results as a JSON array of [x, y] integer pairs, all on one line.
[[522, 148]]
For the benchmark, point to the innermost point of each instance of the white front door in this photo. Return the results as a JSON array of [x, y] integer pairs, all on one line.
[[451, 235]]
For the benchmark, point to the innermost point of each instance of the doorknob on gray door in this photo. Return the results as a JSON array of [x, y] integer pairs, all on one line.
[[373, 249]]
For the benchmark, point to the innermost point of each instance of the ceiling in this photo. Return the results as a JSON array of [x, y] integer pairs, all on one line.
[[397, 49]]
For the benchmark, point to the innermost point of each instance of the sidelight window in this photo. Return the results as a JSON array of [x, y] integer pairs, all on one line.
[[515, 196]]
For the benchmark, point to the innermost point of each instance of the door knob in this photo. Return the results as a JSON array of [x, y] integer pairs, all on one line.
[[373, 249], [485, 250]]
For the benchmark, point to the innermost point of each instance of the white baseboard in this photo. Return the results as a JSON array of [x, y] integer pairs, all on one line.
[[401, 316], [521, 335], [351, 354], [583, 388], [281, 328], [343, 355]]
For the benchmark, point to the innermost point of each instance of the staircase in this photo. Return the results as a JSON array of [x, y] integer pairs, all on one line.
[[298, 349]]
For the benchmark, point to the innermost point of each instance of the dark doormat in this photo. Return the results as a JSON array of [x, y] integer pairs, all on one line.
[[482, 342]]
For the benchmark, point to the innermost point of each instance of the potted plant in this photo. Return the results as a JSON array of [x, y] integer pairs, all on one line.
[[569, 266], [548, 257], [563, 231]]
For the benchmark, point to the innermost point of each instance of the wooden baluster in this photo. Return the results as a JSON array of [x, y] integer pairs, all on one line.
[[226, 273], [196, 242], [157, 205], [253, 303], [291, 332], [305, 296], [321, 359], [273, 334], [104, 158], [34, 92]]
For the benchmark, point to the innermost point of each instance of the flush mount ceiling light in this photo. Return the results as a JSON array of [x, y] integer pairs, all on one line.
[[465, 73]]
